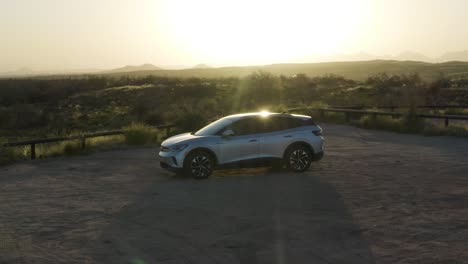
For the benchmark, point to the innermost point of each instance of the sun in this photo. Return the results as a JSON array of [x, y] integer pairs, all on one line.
[[247, 32]]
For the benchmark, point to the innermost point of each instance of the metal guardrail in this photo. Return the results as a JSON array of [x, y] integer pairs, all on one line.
[[347, 112], [82, 137]]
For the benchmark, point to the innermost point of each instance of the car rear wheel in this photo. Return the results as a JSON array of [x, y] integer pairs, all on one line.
[[199, 165], [298, 158]]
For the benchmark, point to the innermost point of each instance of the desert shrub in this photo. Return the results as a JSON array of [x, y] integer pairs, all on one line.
[[186, 122], [455, 111], [332, 117], [140, 134], [7, 155], [259, 89], [411, 123], [154, 118], [20, 117], [452, 130], [379, 122], [72, 148], [280, 108]]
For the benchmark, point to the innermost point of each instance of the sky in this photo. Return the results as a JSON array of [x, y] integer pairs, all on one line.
[[54, 35]]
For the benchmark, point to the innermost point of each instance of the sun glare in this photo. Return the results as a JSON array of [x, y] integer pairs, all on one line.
[[244, 32]]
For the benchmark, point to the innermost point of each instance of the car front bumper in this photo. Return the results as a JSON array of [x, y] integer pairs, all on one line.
[[172, 161]]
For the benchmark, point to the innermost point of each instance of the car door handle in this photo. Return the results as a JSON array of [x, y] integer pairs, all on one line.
[[253, 140], [288, 136]]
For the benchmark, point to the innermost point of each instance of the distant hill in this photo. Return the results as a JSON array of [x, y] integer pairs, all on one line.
[[358, 70], [19, 72], [131, 68], [412, 56], [454, 56], [201, 66], [28, 72]]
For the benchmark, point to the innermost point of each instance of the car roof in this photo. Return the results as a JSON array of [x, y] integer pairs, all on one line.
[[264, 113]]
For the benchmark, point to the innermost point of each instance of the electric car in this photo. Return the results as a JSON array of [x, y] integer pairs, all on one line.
[[245, 140]]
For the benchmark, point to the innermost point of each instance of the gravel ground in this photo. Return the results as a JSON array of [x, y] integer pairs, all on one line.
[[376, 197]]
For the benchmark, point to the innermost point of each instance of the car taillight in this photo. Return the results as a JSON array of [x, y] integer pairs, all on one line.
[[317, 132]]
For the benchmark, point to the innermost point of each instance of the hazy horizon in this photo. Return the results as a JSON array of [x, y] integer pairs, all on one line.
[[64, 35]]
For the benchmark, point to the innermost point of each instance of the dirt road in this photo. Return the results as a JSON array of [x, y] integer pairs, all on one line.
[[376, 197]]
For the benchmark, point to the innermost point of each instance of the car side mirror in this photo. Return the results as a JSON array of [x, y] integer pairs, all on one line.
[[228, 133]]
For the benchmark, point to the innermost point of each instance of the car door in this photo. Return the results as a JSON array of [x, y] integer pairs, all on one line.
[[276, 137], [243, 145]]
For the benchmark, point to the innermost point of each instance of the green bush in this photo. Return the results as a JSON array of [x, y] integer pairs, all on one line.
[[72, 148], [452, 130], [140, 134], [380, 122], [279, 108], [7, 155], [331, 117], [188, 122], [411, 123], [154, 118]]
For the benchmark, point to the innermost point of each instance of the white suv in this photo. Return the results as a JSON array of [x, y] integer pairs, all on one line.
[[245, 139]]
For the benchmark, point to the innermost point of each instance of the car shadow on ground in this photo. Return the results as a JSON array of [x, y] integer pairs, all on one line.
[[270, 217]]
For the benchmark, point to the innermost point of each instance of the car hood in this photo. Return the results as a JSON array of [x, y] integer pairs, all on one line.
[[178, 139]]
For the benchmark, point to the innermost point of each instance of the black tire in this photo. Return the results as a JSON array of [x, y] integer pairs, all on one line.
[[199, 165], [298, 158]]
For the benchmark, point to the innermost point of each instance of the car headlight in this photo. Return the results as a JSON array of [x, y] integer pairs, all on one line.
[[177, 148]]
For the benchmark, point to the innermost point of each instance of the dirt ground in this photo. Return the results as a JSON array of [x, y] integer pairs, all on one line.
[[376, 197]]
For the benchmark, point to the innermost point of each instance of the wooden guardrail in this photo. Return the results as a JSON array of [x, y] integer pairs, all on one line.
[[32, 143], [393, 107], [347, 112]]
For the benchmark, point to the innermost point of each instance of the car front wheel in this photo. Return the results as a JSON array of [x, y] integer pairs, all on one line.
[[199, 165], [298, 158]]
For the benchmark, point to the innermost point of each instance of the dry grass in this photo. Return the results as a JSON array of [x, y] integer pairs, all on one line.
[[406, 124], [140, 134], [135, 135]]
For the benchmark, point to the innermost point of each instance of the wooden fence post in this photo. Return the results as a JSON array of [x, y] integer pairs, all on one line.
[[83, 142], [446, 122], [33, 151]]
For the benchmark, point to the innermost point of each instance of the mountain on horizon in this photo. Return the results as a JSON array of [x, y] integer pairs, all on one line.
[[201, 66], [132, 68], [454, 56], [25, 71], [407, 55], [412, 56], [28, 72]]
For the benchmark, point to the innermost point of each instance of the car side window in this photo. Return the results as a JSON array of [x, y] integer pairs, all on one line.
[[270, 124], [246, 126], [288, 123], [278, 123]]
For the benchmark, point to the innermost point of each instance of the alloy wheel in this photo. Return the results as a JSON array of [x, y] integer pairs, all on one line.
[[200, 166], [299, 160]]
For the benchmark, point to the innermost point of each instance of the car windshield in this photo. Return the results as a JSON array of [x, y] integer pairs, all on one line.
[[214, 127]]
